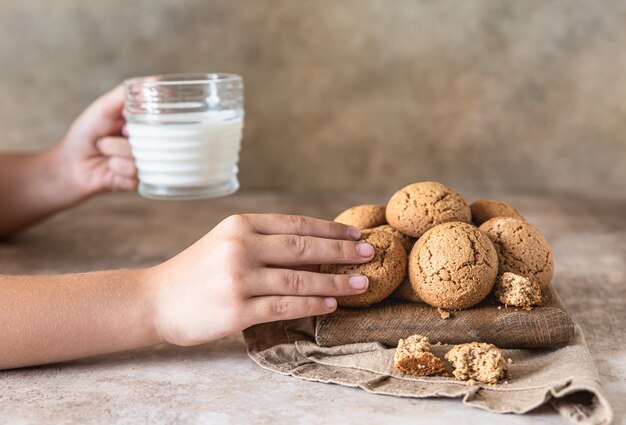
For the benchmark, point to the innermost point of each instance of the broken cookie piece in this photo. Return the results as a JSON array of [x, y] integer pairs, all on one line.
[[520, 291], [478, 361], [413, 357]]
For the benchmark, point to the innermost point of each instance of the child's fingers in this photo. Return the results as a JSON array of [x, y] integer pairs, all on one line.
[[299, 283], [307, 268], [111, 104], [123, 167], [293, 250], [275, 224], [124, 183], [114, 146], [273, 308]]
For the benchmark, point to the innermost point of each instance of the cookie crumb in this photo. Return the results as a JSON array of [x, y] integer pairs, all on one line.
[[443, 313], [470, 383]]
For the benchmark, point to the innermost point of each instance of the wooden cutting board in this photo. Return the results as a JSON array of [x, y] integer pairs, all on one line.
[[547, 326]]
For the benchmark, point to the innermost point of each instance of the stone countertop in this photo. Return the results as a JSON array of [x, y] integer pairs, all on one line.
[[216, 382]]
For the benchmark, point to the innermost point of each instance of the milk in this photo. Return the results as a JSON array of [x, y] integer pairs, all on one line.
[[187, 150]]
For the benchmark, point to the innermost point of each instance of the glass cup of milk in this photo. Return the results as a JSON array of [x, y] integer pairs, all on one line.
[[185, 134]]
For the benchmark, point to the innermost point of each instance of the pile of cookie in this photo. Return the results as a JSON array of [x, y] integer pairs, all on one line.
[[432, 247]]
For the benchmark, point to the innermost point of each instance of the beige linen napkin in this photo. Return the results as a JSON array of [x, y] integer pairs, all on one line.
[[565, 377]]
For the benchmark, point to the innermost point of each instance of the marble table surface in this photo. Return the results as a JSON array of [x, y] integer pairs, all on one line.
[[217, 382]]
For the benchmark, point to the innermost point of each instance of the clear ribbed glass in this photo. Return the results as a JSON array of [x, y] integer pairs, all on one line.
[[185, 133]]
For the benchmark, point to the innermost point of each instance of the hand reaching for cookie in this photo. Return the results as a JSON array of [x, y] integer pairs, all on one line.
[[249, 269], [252, 269]]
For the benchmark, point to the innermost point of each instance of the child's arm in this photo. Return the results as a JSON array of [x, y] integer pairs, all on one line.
[[249, 269], [94, 156]]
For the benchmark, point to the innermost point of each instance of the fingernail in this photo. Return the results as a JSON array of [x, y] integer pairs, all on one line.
[[330, 303], [354, 233], [358, 281], [365, 249]]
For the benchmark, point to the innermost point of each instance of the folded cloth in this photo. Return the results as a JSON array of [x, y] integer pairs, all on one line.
[[565, 377], [546, 326]]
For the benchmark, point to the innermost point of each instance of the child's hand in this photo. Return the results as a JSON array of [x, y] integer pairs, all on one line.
[[93, 157], [253, 269], [95, 151]]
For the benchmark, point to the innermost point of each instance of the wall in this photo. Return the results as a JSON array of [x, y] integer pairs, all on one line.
[[351, 94]]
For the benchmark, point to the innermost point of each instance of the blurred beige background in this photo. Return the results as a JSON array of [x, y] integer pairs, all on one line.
[[351, 94]]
